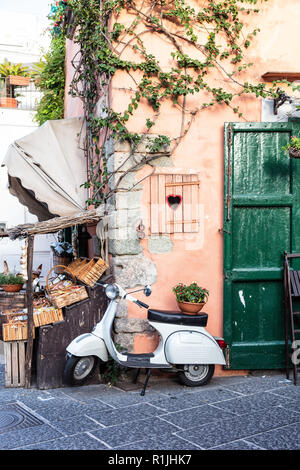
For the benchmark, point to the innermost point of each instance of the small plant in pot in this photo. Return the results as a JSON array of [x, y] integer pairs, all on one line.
[[293, 147], [190, 298], [11, 282]]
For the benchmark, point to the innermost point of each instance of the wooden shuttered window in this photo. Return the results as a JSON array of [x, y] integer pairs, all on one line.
[[165, 218]]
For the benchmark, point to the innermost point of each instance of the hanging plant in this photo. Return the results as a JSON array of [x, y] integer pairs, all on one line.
[[57, 17], [293, 147]]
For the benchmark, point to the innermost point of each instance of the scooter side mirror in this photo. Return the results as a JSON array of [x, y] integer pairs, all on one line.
[[147, 290]]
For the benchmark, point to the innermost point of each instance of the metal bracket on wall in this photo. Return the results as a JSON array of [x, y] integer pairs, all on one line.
[[222, 230]]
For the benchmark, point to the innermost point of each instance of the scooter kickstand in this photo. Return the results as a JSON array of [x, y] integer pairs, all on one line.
[[146, 382], [136, 376]]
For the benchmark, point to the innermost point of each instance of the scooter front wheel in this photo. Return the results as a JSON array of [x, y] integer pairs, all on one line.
[[195, 375], [79, 369]]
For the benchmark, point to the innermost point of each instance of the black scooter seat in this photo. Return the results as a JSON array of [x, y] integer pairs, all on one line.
[[177, 318]]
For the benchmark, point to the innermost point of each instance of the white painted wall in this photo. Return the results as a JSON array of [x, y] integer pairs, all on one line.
[[14, 124], [23, 36]]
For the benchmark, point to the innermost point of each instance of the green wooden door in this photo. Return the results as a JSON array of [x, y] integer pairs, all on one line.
[[261, 220]]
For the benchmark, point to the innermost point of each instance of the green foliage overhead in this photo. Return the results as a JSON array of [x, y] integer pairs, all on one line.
[[50, 79], [204, 37]]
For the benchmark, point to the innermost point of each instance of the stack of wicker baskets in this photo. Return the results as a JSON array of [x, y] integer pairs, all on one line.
[[88, 271], [15, 326]]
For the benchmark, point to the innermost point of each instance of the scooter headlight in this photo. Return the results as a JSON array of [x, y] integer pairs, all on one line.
[[112, 291]]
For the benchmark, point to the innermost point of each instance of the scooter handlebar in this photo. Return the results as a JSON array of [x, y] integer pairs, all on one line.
[[136, 301], [141, 304]]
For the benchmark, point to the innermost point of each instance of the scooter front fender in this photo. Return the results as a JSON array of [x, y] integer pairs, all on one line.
[[88, 345]]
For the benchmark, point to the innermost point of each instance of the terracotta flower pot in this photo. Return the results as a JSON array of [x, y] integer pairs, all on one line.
[[8, 103], [19, 80], [190, 308], [12, 287]]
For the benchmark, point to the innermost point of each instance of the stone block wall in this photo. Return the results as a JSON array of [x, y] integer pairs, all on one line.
[[129, 266]]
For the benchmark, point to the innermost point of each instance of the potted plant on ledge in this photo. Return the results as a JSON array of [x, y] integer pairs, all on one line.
[[12, 76], [293, 147], [190, 298], [11, 282]]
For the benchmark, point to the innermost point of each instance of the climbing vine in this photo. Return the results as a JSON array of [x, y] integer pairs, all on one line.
[[115, 36], [50, 79]]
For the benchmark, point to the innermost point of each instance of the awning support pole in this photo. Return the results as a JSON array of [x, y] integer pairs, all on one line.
[[29, 301]]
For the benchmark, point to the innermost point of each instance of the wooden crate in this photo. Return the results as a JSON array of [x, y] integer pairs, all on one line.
[[88, 271], [15, 363], [68, 297], [15, 331], [12, 301], [46, 317]]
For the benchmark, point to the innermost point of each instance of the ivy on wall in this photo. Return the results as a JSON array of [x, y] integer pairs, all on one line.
[[203, 37], [51, 81]]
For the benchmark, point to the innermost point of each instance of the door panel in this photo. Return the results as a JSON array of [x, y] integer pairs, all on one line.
[[261, 217]]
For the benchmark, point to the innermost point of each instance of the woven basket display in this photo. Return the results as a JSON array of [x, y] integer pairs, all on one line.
[[62, 296], [87, 270]]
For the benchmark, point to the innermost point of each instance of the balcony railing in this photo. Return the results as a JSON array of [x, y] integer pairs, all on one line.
[[19, 96]]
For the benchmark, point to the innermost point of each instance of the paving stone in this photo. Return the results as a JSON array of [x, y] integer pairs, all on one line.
[[77, 442], [91, 392], [76, 425], [238, 445], [125, 414], [38, 399], [234, 413], [17, 438], [285, 438], [64, 408], [290, 391], [255, 384], [246, 404], [131, 398], [190, 400], [239, 427], [169, 442], [204, 414], [124, 434]]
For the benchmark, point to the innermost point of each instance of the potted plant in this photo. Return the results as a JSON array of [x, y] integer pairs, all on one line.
[[190, 298], [12, 75], [11, 282], [293, 147]]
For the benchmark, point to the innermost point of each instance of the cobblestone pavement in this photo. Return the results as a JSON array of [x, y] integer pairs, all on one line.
[[232, 413]]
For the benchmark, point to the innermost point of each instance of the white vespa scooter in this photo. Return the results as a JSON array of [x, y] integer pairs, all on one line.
[[185, 346]]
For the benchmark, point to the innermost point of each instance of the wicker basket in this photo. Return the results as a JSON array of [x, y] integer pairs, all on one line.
[[65, 296], [88, 271], [47, 316], [294, 153], [69, 296]]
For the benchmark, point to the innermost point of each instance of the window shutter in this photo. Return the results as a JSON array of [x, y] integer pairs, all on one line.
[[185, 218]]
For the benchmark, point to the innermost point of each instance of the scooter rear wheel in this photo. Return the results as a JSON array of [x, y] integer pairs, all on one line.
[[195, 375], [79, 369]]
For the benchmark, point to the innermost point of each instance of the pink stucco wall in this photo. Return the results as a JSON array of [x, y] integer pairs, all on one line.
[[200, 259]]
